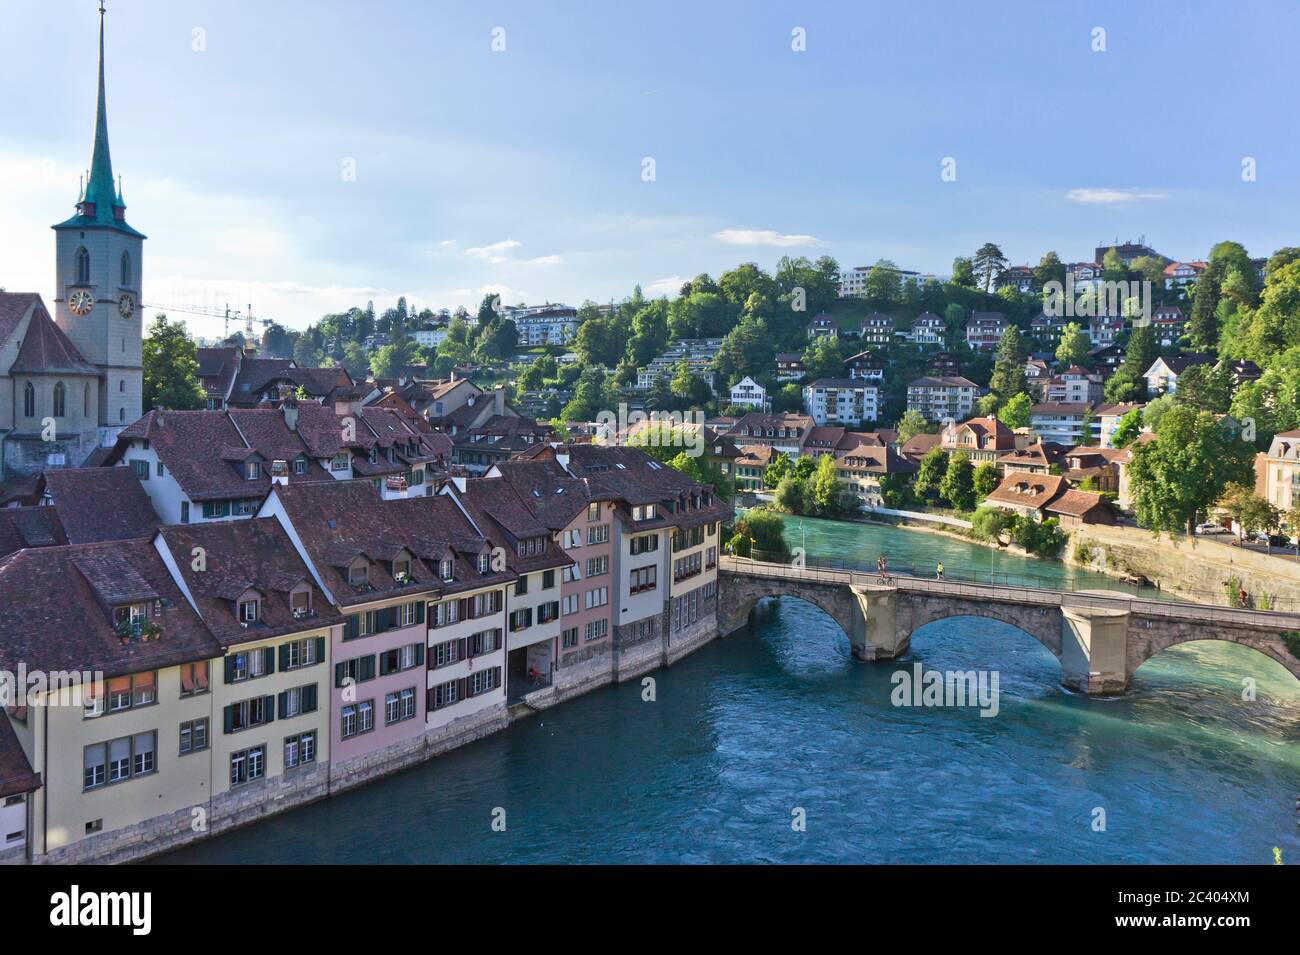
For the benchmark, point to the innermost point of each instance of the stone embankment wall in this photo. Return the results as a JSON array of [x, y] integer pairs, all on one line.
[[1194, 568]]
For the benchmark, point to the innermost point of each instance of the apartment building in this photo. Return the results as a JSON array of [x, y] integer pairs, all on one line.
[[849, 401], [789, 367], [984, 330], [786, 433], [940, 398], [877, 329], [861, 466], [108, 748], [198, 466], [539, 565], [420, 658], [868, 365], [980, 439], [1168, 322], [655, 619], [268, 737], [929, 330], [1277, 471], [750, 393], [1065, 423]]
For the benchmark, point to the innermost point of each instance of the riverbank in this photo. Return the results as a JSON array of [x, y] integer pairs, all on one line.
[[1197, 569]]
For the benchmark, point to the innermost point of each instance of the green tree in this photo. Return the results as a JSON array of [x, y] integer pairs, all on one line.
[[1008, 378], [1016, 412], [171, 367], [958, 486], [1128, 429], [766, 529], [990, 523], [1185, 469], [390, 360], [776, 469], [825, 487], [986, 479], [987, 264], [931, 473], [1049, 269], [963, 272], [792, 495], [911, 424], [1250, 511], [1074, 346]]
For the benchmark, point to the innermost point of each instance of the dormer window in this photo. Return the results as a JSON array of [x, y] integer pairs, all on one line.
[[252, 470], [300, 466], [300, 603], [359, 573], [249, 610], [484, 562], [402, 568], [447, 570]]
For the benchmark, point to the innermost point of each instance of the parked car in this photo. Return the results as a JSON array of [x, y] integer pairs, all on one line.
[[1209, 527], [1280, 540]]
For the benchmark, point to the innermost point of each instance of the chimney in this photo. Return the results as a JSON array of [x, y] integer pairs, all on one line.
[[279, 472], [290, 410], [499, 400]]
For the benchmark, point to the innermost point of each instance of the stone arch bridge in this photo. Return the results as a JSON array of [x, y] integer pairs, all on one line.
[[1100, 638]]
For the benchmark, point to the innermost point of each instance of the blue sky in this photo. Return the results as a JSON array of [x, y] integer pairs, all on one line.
[[521, 171]]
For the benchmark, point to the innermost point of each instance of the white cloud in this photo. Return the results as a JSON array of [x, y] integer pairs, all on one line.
[[1111, 196], [494, 252], [544, 260], [764, 237], [667, 286]]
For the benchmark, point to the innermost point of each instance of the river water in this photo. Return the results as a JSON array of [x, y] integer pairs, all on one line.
[[776, 726]]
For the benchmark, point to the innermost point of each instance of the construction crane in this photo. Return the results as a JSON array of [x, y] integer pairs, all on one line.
[[226, 314]]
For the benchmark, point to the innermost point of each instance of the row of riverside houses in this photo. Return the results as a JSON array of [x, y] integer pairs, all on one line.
[[334, 635]]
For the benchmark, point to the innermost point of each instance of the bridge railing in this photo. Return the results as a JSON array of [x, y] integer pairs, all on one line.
[[1066, 599]]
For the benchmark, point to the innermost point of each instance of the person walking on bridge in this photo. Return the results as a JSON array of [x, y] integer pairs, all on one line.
[[938, 571]]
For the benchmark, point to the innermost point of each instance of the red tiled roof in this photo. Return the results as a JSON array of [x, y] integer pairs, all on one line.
[[56, 605], [100, 504], [29, 527], [46, 349], [16, 773], [239, 555]]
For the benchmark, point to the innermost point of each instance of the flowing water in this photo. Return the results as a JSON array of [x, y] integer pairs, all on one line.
[[776, 726]]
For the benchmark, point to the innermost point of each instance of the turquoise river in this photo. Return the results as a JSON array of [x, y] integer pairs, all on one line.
[[776, 722]]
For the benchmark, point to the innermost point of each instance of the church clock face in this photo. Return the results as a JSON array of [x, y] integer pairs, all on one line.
[[126, 306], [81, 302]]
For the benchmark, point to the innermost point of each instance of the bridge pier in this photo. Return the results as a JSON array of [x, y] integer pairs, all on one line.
[[1094, 650], [875, 634]]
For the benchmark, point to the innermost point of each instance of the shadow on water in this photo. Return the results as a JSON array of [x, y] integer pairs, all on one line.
[[777, 719]]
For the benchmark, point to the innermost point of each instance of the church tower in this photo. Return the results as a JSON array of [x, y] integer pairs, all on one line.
[[97, 272]]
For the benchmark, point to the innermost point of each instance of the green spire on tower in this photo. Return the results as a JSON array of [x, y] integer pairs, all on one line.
[[100, 202]]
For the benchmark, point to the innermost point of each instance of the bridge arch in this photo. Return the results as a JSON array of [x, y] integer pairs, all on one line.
[[918, 610], [1267, 644], [742, 593]]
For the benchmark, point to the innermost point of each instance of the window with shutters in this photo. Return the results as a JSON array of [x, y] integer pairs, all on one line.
[[356, 670], [481, 681], [194, 678], [644, 544], [401, 658], [297, 701], [444, 654], [247, 765], [250, 664], [446, 613], [302, 653], [444, 694], [249, 713], [485, 641], [408, 615]]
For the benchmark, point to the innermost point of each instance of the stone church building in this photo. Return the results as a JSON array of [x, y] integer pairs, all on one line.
[[69, 383]]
